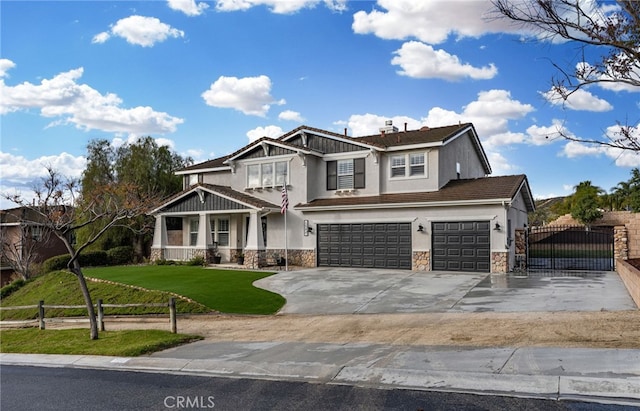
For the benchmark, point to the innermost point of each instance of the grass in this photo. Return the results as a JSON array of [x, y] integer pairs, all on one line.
[[62, 288], [227, 291], [128, 343]]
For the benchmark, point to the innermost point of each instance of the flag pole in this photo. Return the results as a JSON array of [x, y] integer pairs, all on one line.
[[283, 210]]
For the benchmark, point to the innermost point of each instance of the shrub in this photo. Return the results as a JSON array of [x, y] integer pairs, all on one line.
[[93, 259], [197, 260], [120, 255], [56, 263], [165, 262], [8, 289]]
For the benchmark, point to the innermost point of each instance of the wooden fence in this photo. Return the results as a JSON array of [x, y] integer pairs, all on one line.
[[100, 306]]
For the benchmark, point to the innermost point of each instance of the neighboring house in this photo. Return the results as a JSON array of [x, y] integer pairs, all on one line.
[[25, 238], [418, 200]]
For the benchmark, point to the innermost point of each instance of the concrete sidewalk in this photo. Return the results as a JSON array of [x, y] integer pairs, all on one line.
[[599, 375]]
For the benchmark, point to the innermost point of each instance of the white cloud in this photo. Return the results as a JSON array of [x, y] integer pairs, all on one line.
[[368, 124], [499, 164], [575, 149], [188, 7], [268, 131], [489, 114], [64, 98], [430, 21], [279, 6], [290, 115], [19, 176], [5, 65], [250, 95], [419, 60], [139, 30], [579, 99], [541, 135]]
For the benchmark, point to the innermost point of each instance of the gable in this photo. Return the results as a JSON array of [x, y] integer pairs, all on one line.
[[193, 203], [324, 145]]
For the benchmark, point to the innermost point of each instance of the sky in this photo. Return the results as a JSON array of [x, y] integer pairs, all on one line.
[[208, 77]]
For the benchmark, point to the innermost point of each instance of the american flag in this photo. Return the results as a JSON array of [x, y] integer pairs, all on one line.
[[285, 200]]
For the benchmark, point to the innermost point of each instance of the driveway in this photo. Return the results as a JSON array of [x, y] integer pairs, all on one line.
[[371, 291]]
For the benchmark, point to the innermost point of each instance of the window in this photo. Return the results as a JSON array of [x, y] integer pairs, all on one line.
[[173, 223], [397, 166], [267, 174], [35, 232], [193, 179], [416, 164], [345, 174], [412, 165], [194, 224], [220, 231]]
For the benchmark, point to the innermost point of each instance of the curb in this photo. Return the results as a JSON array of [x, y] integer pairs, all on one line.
[[622, 391]]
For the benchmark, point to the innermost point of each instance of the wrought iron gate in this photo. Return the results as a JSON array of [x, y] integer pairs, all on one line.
[[570, 248]]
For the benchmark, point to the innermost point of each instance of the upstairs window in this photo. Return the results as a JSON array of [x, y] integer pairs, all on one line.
[[270, 174], [345, 174], [407, 165]]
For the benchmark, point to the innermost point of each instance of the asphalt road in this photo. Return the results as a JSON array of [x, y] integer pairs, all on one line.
[[38, 388]]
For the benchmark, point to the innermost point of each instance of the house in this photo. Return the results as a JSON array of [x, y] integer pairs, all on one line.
[[411, 199], [24, 240]]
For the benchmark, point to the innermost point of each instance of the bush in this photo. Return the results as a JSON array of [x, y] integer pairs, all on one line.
[[8, 289], [165, 262], [120, 255], [197, 260], [56, 263], [94, 259]]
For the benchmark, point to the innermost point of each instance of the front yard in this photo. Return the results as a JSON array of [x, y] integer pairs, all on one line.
[[226, 291]]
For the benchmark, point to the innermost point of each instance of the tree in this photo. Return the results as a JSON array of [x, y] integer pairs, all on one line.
[[60, 209], [20, 243], [143, 164], [585, 203], [612, 30]]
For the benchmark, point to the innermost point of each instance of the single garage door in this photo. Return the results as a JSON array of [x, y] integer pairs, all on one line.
[[461, 246], [370, 245]]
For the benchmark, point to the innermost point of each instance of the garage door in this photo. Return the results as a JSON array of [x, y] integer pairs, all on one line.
[[374, 245], [461, 246]]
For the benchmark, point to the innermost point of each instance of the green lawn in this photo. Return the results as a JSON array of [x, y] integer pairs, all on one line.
[[228, 291], [128, 343], [62, 288]]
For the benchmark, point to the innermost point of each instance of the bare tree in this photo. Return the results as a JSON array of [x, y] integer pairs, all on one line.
[[61, 210], [613, 29], [21, 241]]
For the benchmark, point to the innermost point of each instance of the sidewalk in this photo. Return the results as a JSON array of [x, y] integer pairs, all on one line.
[[599, 375]]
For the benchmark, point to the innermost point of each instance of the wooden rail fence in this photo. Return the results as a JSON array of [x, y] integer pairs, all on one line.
[[100, 306]]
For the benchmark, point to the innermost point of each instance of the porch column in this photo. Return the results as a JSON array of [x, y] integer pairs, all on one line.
[[255, 241], [160, 233], [203, 226]]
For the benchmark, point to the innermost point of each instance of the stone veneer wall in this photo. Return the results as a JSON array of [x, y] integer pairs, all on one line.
[[156, 254], [500, 262], [421, 261]]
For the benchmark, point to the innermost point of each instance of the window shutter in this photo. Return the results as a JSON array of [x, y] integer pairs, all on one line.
[[358, 173], [332, 175]]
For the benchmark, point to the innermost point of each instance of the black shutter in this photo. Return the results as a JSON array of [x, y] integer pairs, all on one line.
[[332, 175], [358, 173]]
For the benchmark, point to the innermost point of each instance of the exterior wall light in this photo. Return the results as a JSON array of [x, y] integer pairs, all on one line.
[[420, 228]]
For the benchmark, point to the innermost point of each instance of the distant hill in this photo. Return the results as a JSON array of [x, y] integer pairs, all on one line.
[[548, 202]]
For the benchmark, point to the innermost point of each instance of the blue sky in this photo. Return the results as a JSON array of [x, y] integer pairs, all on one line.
[[209, 77]]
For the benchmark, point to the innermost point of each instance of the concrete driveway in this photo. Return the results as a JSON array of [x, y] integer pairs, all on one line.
[[353, 290]]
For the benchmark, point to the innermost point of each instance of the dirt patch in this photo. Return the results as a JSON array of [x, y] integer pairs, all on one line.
[[601, 329]]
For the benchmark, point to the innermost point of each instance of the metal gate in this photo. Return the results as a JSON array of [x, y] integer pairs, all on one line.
[[570, 248]]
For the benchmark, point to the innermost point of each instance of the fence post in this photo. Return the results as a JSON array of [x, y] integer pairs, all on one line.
[[172, 315], [100, 315], [41, 313]]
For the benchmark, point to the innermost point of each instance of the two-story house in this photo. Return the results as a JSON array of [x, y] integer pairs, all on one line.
[[411, 199]]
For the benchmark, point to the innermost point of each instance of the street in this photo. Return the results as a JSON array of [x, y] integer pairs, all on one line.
[[40, 388]]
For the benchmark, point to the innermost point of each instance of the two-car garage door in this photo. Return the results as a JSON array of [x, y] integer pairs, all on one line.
[[369, 245]]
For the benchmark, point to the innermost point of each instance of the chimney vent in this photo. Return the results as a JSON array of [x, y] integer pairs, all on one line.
[[388, 127]]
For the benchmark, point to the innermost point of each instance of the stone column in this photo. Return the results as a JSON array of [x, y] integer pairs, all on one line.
[[620, 243], [160, 238], [255, 241]]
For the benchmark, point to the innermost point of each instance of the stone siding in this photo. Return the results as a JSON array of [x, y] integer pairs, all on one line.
[[421, 261], [500, 262]]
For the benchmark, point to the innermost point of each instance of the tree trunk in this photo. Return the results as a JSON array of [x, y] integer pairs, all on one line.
[[93, 323], [138, 248]]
